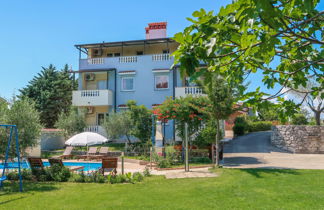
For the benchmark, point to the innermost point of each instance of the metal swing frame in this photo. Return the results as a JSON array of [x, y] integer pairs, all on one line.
[[13, 129]]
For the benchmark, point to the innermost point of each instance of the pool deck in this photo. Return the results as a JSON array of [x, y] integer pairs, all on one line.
[[131, 165]]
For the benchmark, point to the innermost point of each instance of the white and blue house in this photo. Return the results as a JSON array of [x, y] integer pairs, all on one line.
[[111, 73]]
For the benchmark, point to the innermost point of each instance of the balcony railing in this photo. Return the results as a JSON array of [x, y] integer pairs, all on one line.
[[185, 91], [128, 59], [92, 98], [96, 61], [96, 129], [161, 57], [158, 61]]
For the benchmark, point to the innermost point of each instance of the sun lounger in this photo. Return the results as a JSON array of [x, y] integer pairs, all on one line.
[[103, 152], [35, 163], [91, 152], [109, 165], [67, 153], [53, 161]]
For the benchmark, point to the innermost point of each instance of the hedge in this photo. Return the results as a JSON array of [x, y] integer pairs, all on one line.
[[259, 126]]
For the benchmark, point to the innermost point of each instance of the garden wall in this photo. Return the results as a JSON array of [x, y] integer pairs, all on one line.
[[298, 138], [52, 139]]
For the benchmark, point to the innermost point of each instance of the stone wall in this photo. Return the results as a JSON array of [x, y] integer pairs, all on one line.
[[298, 138]]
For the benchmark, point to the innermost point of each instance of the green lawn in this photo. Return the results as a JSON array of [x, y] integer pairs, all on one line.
[[233, 189]]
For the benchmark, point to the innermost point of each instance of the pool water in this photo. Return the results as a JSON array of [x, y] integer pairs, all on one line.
[[87, 166]]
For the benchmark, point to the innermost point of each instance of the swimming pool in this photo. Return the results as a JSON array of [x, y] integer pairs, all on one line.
[[87, 166]]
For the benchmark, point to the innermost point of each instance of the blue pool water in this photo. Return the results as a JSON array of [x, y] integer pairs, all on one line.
[[87, 166]]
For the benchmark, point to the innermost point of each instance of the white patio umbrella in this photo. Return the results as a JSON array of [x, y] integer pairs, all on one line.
[[86, 139]]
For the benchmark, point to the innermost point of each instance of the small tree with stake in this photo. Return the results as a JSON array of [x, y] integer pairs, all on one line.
[[222, 97]]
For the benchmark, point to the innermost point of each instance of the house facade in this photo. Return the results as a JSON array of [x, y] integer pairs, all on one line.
[[111, 73]]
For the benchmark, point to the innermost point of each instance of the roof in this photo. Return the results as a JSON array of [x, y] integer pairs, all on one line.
[[125, 43]]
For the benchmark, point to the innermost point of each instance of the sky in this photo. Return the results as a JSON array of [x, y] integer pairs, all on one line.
[[37, 33]]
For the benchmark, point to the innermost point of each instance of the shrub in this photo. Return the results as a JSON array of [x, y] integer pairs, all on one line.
[[59, 173], [164, 163], [138, 177], [206, 136], [239, 129], [240, 126], [299, 119], [259, 126], [200, 160], [79, 177], [147, 172]]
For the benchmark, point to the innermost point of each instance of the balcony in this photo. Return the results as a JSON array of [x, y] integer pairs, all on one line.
[[185, 91], [155, 60], [92, 98], [96, 129]]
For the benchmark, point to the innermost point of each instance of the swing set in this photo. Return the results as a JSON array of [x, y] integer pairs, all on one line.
[[13, 133]]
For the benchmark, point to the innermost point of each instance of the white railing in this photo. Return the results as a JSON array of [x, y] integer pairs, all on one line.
[[96, 60], [128, 59], [90, 93], [184, 91], [96, 129], [92, 98], [161, 57]]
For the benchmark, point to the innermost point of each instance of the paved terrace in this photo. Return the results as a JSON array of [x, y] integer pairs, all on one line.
[[255, 151]]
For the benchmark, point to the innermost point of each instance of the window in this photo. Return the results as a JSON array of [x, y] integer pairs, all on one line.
[[127, 83], [116, 54], [109, 55], [139, 53], [101, 118], [161, 82], [166, 51]]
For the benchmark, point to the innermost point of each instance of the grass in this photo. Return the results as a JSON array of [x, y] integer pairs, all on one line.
[[232, 189]]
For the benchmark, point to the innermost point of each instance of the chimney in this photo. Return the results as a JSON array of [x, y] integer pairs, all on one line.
[[156, 30]]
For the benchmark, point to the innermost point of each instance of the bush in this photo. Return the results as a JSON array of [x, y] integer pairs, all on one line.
[[299, 119], [206, 136], [138, 177], [147, 172], [259, 126], [59, 173], [240, 126], [200, 160], [112, 179], [239, 129]]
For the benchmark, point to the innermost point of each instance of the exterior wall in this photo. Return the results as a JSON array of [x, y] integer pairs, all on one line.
[[91, 119], [298, 138], [52, 140]]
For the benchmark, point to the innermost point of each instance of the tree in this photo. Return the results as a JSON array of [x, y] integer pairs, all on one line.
[[72, 122], [314, 102], [118, 125], [141, 121], [52, 92], [23, 114], [188, 110], [223, 96], [250, 36]]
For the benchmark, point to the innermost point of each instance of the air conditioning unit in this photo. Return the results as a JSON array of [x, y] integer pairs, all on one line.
[[89, 110], [97, 52], [90, 77]]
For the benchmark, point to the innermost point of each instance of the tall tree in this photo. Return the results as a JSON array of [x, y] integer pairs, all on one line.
[[52, 92], [250, 36]]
